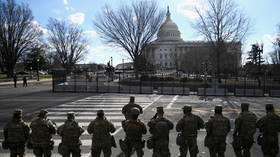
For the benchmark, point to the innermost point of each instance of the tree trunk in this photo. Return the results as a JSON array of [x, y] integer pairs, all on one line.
[[10, 71], [218, 62], [1, 67], [136, 68]]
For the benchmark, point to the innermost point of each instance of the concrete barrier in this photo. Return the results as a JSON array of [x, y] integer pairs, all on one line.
[[212, 92], [174, 90], [274, 93], [249, 92]]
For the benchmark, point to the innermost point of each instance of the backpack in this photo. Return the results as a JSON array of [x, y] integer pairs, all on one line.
[[220, 126]]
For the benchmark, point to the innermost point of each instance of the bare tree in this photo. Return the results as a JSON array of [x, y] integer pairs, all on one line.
[[18, 34], [223, 25], [192, 59], [275, 54], [68, 42], [131, 27]]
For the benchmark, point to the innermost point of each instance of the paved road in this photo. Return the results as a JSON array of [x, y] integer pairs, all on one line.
[[85, 105]]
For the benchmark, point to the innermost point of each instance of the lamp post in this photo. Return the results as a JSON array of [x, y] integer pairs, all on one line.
[[259, 51], [123, 67], [38, 78]]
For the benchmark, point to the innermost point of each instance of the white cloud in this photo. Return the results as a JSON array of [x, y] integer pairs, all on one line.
[[105, 47], [69, 8], [199, 37], [57, 12], [187, 8], [91, 34], [65, 2], [102, 54], [134, 18], [77, 18], [267, 40], [37, 25]]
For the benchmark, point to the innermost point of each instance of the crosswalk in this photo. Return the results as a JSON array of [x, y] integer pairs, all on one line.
[[85, 110]]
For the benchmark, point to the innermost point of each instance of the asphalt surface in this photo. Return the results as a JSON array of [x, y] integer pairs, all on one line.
[[38, 96]]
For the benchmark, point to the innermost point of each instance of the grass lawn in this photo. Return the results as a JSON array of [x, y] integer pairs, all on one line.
[[4, 76]]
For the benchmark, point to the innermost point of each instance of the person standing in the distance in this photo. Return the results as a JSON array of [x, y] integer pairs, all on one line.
[[134, 129], [269, 126], [188, 126], [160, 128], [126, 109], [15, 80], [16, 134], [70, 132], [41, 136], [100, 128], [243, 135], [217, 129], [24, 80]]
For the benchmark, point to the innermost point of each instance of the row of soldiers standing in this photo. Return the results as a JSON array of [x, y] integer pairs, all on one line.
[[217, 128], [39, 135]]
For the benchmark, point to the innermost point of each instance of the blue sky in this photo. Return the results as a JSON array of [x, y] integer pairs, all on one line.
[[264, 16]]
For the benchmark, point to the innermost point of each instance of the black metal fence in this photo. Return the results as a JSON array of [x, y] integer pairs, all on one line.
[[99, 82]]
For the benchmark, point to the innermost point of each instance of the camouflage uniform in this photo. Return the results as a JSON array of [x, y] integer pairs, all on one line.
[[100, 129], [42, 131], [70, 132], [217, 129], [16, 134], [159, 128], [126, 109], [245, 128], [134, 129], [189, 125], [269, 126]]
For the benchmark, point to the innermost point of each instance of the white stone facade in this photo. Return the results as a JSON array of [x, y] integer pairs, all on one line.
[[168, 50]]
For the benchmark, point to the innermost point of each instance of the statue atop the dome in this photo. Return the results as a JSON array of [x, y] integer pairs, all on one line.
[[168, 14]]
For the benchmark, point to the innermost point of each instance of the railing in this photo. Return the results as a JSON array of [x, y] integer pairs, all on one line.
[[97, 82]]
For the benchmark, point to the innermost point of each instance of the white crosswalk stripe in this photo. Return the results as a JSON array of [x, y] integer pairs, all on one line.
[[85, 110]]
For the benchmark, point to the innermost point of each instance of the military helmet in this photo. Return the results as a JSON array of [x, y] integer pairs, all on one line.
[[244, 106], [132, 99], [160, 109], [42, 113], [100, 113], [269, 107], [70, 115], [18, 113], [187, 108], [134, 111], [218, 109]]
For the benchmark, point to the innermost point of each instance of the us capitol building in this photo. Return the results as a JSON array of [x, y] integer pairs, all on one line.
[[170, 52]]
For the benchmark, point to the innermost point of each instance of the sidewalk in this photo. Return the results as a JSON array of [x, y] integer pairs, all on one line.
[[43, 80]]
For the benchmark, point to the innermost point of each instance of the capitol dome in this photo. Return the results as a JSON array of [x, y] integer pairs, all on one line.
[[169, 31]]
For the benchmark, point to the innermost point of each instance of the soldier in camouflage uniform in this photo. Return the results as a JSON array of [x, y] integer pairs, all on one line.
[[42, 131], [134, 129], [217, 129], [159, 128], [269, 126], [70, 132], [16, 134], [100, 129], [126, 109], [188, 126], [245, 128]]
